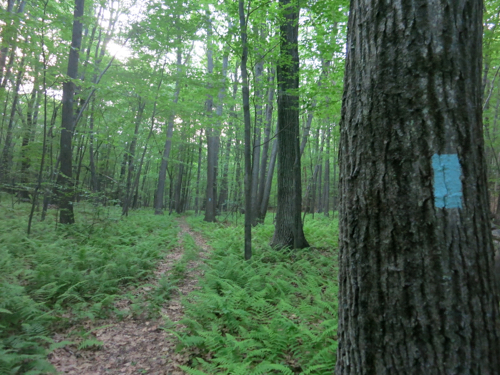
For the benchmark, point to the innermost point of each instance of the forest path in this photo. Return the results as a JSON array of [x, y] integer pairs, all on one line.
[[136, 345]]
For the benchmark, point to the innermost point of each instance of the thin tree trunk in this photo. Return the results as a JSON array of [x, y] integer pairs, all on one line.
[[258, 98], [6, 161], [48, 192], [212, 149], [326, 186], [31, 118], [9, 39], [269, 182], [222, 202], [265, 146], [44, 142], [335, 183], [247, 121], [162, 176], [135, 186], [131, 159], [223, 195], [307, 128], [197, 196], [93, 175]]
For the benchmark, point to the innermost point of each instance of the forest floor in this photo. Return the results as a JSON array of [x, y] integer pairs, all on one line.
[[149, 294], [137, 344]]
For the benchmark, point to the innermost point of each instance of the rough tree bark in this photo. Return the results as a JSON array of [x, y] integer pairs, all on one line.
[[289, 231], [417, 293]]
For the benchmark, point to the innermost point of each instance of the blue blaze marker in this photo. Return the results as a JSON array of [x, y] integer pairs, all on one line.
[[447, 183]]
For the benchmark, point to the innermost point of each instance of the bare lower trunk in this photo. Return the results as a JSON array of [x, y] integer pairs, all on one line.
[[65, 177], [416, 278], [288, 230]]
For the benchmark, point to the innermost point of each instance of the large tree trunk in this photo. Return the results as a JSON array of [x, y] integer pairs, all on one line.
[[417, 292], [288, 231]]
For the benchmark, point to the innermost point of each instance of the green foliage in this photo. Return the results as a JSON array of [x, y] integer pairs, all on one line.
[[75, 271], [274, 314]]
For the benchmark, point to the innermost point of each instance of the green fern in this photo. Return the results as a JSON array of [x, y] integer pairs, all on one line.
[[90, 344], [276, 314], [81, 268]]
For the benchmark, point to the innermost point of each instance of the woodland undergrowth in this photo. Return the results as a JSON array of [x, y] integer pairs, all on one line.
[[274, 314], [60, 276]]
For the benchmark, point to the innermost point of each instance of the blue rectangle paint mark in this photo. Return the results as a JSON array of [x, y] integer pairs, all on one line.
[[447, 181]]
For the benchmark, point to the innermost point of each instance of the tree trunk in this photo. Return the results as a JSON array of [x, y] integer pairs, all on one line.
[[224, 191], [162, 175], [258, 99], [212, 138], [127, 201], [416, 282], [9, 39], [93, 175], [335, 195], [269, 181], [135, 186], [265, 146], [65, 179], [222, 202], [7, 152], [197, 196], [31, 120], [326, 186], [247, 121], [288, 231]]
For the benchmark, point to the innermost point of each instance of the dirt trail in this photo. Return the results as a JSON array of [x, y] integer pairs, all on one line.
[[136, 345]]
